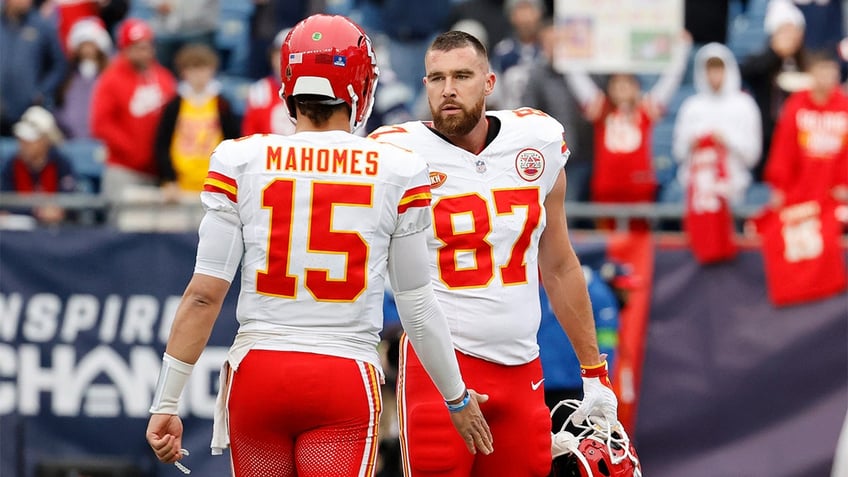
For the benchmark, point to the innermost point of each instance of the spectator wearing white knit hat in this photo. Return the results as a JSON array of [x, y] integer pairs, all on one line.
[[775, 71], [89, 47], [38, 166]]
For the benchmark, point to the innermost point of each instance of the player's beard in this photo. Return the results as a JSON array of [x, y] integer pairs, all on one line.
[[458, 124]]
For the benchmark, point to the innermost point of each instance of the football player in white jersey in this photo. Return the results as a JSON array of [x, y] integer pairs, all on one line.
[[499, 224], [316, 220]]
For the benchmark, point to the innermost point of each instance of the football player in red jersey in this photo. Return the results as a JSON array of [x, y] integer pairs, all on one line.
[[498, 186], [316, 220]]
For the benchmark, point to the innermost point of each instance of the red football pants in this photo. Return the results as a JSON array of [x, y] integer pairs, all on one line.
[[516, 412], [303, 414]]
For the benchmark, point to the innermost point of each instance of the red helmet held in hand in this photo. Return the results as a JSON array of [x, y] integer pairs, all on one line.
[[329, 56], [594, 448]]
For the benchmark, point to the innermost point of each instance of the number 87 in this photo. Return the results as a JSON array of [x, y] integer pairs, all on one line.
[[475, 240]]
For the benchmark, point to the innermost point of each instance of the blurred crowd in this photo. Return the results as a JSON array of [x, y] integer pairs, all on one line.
[[126, 99], [751, 108]]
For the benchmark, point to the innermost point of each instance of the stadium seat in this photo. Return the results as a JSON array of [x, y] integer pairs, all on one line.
[[8, 147], [757, 194], [142, 10], [746, 31], [233, 36], [671, 192], [88, 157], [664, 166], [235, 89]]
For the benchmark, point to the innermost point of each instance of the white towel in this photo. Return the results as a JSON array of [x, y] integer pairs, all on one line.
[[242, 344]]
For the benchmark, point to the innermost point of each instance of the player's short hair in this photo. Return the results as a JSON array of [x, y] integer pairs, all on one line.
[[454, 39], [317, 108]]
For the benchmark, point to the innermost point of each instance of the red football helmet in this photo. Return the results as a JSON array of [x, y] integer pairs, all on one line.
[[594, 448], [330, 56]]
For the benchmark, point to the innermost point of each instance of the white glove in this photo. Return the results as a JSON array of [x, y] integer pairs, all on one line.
[[598, 398]]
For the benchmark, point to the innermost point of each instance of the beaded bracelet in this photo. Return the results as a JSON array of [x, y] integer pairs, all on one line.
[[460, 405]]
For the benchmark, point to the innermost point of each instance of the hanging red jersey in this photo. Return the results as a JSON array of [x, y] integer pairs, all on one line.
[[708, 221], [802, 253]]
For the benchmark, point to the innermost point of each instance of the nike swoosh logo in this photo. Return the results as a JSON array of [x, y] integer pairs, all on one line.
[[536, 385]]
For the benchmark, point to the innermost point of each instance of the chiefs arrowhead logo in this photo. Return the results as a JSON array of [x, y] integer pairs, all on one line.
[[437, 179], [529, 163]]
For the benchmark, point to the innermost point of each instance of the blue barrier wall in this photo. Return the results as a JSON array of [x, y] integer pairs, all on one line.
[[731, 385]]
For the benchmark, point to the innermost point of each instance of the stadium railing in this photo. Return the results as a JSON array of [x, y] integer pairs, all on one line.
[[150, 211]]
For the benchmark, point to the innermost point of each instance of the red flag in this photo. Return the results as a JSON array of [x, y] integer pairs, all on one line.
[[708, 221]]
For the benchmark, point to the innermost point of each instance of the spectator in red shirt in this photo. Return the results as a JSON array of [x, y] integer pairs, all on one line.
[[126, 106], [808, 158], [623, 119], [265, 111]]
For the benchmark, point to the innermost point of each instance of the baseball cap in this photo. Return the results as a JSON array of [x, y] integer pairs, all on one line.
[[37, 123], [133, 30]]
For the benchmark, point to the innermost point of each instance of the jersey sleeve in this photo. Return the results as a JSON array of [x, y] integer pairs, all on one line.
[[564, 151], [551, 135], [220, 188], [545, 131], [221, 245], [414, 206]]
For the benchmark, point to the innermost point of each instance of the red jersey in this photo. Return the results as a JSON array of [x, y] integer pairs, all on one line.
[[125, 110], [809, 152], [708, 220], [803, 257], [265, 112], [623, 170]]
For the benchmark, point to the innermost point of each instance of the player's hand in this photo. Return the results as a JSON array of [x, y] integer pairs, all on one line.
[[598, 400], [472, 426], [165, 435]]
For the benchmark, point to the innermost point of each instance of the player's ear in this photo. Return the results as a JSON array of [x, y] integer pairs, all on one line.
[[490, 83]]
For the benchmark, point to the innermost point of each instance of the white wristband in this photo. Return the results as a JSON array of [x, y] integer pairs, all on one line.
[[172, 379]]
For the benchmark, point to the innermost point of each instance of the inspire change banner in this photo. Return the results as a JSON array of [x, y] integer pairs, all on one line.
[[84, 318]]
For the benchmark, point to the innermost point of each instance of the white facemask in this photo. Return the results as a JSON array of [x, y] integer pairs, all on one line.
[[88, 69]]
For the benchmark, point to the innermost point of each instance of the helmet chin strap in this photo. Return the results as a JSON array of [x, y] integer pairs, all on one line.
[[354, 100]]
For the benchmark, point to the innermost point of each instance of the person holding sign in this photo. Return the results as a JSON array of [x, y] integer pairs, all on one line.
[[623, 117]]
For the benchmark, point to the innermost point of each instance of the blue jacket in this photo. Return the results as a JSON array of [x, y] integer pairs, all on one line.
[[559, 363], [32, 64]]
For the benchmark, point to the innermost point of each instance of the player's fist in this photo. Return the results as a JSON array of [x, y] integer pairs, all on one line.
[[165, 434]]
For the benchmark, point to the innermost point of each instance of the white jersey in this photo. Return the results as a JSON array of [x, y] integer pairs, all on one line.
[[488, 214], [317, 211]]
